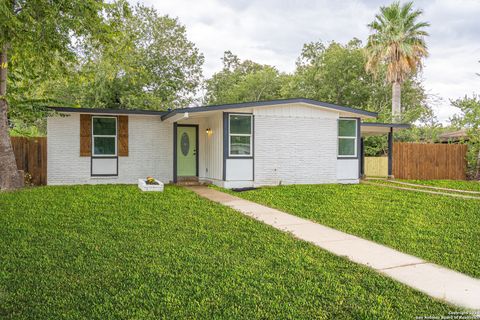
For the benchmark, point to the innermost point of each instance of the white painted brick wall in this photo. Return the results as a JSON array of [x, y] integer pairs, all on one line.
[[295, 149], [150, 152]]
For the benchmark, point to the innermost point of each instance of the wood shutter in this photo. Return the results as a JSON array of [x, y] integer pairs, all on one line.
[[123, 136], [85, 135]]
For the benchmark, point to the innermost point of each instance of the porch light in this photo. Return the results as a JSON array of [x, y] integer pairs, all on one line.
[[208, 131]]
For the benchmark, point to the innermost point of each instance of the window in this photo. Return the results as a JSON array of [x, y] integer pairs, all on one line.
[[240, 135], [104, 137], [347, 138]]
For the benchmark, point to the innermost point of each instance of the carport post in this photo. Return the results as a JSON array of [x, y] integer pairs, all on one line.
[[390, 152], [362, 158]]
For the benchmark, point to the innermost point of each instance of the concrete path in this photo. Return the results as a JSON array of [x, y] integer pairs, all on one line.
[[435, 281]]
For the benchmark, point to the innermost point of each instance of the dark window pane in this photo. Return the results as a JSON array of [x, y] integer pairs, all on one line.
[[346, 147], [240, 145], [104, 126], [240, 124], [104, 146], [346, 128]]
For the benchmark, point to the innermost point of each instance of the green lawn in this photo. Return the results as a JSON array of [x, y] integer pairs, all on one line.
[[112, 252], [452, 184], [438, 228]]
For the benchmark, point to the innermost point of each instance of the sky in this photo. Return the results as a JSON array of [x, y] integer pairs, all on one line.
[[274, 31]]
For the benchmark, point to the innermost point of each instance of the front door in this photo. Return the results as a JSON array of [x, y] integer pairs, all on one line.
[[186, 151]]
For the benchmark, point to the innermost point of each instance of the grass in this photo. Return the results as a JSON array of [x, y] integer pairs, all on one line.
[[113, 252], [438, 228], [452, 184]]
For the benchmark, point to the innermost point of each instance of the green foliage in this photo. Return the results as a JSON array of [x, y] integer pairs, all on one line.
[[243, 81], [113, 252], [438, 228], [397, 41], [336, 74], [148, 64], [470, 119]]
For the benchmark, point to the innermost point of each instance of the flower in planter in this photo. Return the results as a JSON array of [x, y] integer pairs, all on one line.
[[151, 180]]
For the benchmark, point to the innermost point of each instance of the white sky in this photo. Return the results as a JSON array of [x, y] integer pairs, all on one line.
[[274, 31]]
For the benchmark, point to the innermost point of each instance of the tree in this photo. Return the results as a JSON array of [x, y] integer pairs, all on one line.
[[149, 64], [470, 119], [336, 73], [242, 81], [397, 44], [38, 34]]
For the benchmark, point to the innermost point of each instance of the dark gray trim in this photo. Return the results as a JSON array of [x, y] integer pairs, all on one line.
[[174, 152], [358, 138], [386, 125], [109, 111], [269, 103], [102, 175], [362, 158], [390, 152], [197, 152]]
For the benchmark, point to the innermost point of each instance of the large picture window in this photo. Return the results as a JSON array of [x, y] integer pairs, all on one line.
[[104, 134], [347, 138], [240, 135]]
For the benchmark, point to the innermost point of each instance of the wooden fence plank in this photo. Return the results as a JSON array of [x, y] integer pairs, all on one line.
[[429, 161], [31, 157]]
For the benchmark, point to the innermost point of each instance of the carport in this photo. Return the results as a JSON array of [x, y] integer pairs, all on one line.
[[368, 129]]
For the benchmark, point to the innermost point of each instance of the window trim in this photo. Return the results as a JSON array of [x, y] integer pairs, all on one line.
[[250, 154], [354, 138], [105, 136]]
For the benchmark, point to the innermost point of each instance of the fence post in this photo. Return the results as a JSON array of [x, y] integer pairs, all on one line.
[[390, 152]]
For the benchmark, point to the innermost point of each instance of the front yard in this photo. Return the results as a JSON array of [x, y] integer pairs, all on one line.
[[441, 229], [112, 252]]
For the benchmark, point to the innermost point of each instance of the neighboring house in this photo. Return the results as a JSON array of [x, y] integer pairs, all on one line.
[[294, 141], [454, 136]]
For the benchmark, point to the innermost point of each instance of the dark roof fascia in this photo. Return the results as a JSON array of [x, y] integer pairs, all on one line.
[[109, 111], [386, 125], [269, 103]]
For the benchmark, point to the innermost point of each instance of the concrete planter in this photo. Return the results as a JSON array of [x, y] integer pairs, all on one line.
[[142, 184]]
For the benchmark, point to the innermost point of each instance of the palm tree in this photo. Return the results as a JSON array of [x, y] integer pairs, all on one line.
[[397, 43]]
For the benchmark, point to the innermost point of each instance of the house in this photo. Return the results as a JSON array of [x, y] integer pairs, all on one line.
[[454, 136], [293, 141]]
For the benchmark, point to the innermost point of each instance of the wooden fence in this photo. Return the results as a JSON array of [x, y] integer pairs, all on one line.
[[376, 166], [31, 156], [429, 161]]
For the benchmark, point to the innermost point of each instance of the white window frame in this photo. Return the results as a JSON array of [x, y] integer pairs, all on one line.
[[105, 136], [240, 135], [354, 138]]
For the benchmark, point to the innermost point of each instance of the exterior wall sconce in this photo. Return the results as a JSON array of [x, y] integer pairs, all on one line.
[[208, 131]]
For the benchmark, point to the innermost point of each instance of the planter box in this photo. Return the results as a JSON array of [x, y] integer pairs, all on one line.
[[142, 184]]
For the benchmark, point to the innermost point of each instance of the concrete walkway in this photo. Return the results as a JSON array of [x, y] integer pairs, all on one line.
[[435, 281]]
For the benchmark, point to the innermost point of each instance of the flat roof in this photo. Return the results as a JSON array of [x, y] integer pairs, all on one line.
[[269, 103], [109, 111], [377, 128]]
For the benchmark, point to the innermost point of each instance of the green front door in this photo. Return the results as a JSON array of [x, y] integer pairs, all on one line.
[[186, 151]]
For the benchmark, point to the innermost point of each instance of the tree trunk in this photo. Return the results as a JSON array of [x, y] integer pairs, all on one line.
[[396, 106], [9, 176]]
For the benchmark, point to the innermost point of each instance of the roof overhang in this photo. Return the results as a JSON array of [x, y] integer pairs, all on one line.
[[108, 111], [342, 109], [376, 128]]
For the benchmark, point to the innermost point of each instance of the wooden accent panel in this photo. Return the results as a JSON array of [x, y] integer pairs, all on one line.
[[31, 157], [376, 166], [123, 136], [85, 135], [427, 161]]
